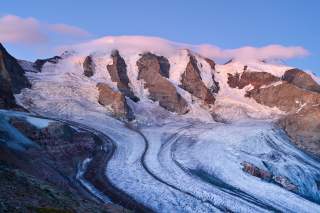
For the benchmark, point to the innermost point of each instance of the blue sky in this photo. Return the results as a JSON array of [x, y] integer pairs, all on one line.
[[227, 24]]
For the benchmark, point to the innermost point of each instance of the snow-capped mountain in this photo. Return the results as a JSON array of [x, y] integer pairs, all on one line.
[[182, 133]]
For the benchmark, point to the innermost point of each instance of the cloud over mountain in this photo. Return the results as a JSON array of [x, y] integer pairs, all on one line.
[[15, 29]]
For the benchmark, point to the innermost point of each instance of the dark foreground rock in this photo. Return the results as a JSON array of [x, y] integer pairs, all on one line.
[[12, 79], [115, 100], [42, 178], [192, 82], [160, 88]]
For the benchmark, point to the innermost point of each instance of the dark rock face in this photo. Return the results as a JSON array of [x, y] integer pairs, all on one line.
[[42, 179], [303, 128], [192, 82], [285, 96], [88, 67], [301, 79], [268, 176], [38, 64], [116, 100], [118, 73], [12, 79], [257, 79], [159, 87]]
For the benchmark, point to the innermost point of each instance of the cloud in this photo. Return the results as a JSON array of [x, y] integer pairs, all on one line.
[[68, 30], [256, 53], [165, 47], [15, 29]]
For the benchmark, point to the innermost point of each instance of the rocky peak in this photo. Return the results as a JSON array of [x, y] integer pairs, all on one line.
[[256, 79], [301, 79], [192, 82], [14, 71], [38, 64], [159, 87], [88, 66], [12, 79], [118, 74]]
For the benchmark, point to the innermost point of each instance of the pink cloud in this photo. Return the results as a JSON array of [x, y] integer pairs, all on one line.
[[18, 30], [162, 46], [248, 52], [15, 29], [68, 30]]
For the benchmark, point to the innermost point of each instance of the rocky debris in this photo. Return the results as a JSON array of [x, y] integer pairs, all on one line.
[[301, 79], [38, 64], [285, 183], [285, 96], [256, 171], [268, 176], [88, 66], [12, 79], [256, 79], [191, 81], [159, 87], [115, 100], [303, 127], [118, 74]]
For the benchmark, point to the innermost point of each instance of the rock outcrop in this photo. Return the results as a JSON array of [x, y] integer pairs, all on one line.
[[191, 81], [256, 79], [38, 64], [42, 179], [303, 127], [88, 66], [268, 176], [115, 100], [160, 88], [301, 79], [285, 96], [118, 74], [12, 79]]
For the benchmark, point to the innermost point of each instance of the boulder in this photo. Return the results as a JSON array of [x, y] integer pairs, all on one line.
[[191, 81], [159, 87], [88, 66], [301, 79], [256, 79], [303, 127], [115, 100], [118, 74]]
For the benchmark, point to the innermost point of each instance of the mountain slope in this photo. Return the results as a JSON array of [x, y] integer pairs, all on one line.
[[200, 137]]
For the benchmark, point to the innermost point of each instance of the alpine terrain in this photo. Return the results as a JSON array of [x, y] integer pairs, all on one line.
[[120, 125]]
